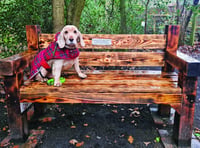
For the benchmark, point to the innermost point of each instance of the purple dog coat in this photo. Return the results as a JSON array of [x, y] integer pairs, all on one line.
[[53, 51]]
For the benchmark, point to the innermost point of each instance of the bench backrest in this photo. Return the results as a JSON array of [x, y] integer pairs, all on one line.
[[142, 50]]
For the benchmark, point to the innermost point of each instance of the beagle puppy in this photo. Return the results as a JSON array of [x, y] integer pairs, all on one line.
[[62, 52]]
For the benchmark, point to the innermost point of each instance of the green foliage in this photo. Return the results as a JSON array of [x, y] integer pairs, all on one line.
[[98, 16], [14, 16]]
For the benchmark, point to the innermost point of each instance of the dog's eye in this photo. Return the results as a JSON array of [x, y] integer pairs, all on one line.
[[75, 31], [66, 32]]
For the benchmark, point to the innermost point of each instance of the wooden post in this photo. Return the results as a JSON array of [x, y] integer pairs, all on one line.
[[172, 33], [172, 37], [16, 121], [183, 122], [32, 32]]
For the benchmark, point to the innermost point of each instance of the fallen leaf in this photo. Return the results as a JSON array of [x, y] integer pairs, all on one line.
[[73, 126], [73, 141], [80, 144], [130, 139], [147, 143], [2, 100], [135, 113], [85, 124], [4, 129], [114, 111], [98, 137], [47, 119], [115, 106], [121, 135], [87, 136], [63, 115]]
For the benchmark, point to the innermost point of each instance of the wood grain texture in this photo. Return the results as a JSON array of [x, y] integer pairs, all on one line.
[[121, 59], [105, 89], [16, 63], [17, 122], [185, 64], [183, 125], [119, 41], [32, 32], [172, 37]]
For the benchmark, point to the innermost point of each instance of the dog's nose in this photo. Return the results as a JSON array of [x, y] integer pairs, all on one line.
[[71, 40]]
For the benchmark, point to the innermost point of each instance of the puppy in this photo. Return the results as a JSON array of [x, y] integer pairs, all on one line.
[[61, 52]]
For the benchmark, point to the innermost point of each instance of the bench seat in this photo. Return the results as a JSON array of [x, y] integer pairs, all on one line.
[[107, 87]]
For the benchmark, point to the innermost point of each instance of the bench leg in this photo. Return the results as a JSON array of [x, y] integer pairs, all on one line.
[[183, 122], [17, 122]]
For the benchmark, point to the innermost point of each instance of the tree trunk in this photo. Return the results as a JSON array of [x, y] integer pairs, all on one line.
[[146, 16], [184, 20], [74, 11], [58, 15], [123, 28]]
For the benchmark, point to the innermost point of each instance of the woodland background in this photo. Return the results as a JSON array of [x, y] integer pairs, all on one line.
[[95, 16]]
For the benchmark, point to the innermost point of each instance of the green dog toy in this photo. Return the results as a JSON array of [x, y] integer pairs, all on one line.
[[51, 81]]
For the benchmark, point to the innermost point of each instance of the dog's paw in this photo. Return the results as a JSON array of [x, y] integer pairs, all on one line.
[[57, 84], [44, 80], [82, 75]]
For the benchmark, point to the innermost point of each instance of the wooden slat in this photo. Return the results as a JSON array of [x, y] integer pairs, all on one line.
[[121, 59], [119, 41], [144, 88], [102, 88], [119, 76], [99, 98]]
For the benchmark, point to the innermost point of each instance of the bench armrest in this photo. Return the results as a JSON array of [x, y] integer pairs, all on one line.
[[16, 63], [184, 63]]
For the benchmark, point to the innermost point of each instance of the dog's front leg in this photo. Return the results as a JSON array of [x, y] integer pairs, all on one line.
[[56, 71], [77, 68]]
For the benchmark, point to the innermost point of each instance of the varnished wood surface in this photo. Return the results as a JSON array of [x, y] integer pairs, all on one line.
[[16, 63], [172, 37], [184, 63], [119, 41], [121, 58], [105, 89], [32, 32]]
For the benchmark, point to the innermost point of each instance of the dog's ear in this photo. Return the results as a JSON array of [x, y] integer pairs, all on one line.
[[61, 40], [80, 39]]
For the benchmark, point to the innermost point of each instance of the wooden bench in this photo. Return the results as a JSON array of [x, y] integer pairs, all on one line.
[[121, 69]]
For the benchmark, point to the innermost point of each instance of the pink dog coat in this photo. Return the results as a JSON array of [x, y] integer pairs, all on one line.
[[53, 51]]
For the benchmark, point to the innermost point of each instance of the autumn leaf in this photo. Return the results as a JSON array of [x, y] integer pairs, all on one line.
[[130, 139], [114, 111], [87, 136], [147, 143], [2, 100], [47, 119], [73, 126], [85, 124], [79, 144], [73, 141], [4, 129]]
